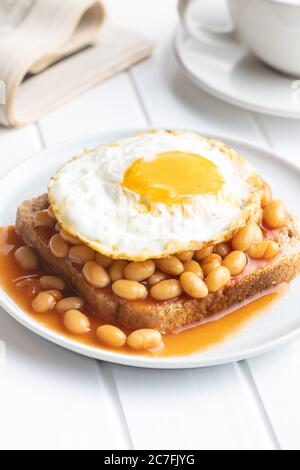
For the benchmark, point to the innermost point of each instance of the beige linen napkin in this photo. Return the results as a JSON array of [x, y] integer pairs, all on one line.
[[46, 57]]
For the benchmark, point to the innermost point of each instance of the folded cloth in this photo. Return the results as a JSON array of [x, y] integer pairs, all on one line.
[[53, 50]]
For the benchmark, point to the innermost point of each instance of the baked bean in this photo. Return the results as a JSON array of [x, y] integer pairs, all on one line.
[[67, 237], [53, 282], [26, 259], [266, 249], [116, 270], [235, 262], [204, 253], [59, 248], [81, 254], [51, 213], [172, 265], [76, 322], [223, 249], [111, 336], [275, 214], [217, 278], [144, 339], [166, 290], [103, 260], [69, 303], [210, 258], [42, 219], [257, 250], [56, 294], [257, 232], [193, 285], [272, 250], [185, 255], [207, 268], [139, 270], [246, 236], [193, 266], [211, 262], [267, 196], [95, 275], [156, 277], [129, 290], [44, 302]]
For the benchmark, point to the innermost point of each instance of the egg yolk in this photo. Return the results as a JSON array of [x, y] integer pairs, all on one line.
[[173, 177]]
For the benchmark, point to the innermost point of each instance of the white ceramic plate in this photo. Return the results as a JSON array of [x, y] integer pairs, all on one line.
[[273, 329], [229, 72]]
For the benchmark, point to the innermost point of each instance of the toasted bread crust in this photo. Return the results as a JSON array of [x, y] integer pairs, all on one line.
[[169, 315]]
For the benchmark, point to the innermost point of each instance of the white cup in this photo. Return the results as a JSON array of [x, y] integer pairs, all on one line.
[[270, 29]]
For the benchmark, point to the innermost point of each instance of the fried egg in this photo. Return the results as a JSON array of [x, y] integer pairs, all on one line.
[[155, 194]]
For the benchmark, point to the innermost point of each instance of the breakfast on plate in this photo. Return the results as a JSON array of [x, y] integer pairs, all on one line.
[[148, 235]]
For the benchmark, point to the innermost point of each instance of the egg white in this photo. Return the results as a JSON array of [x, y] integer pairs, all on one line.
[[90, 203]]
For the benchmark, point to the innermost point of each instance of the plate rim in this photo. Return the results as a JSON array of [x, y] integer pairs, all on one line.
[[239, 103], [172, 362]]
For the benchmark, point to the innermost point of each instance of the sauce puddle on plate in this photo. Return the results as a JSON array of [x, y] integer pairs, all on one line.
[[183, 342]]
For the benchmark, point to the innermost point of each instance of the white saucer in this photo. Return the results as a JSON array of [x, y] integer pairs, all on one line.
[[265, 333], [229, 72]]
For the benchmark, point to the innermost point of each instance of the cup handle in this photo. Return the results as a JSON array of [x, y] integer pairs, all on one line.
[[197, 31]]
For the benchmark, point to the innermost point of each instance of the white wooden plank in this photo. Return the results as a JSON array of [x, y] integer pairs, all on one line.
[[110, 105], [200, 409], [170, 98], [150, 18], [16, 145], [50, 398], [186, 408], [177, 102], [277, 374], [282, 135], [277, 379]]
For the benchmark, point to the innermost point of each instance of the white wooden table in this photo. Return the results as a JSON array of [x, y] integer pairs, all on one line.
[[53, 399]]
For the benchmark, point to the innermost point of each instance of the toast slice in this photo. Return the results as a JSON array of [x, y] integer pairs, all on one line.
[[169, 315]]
